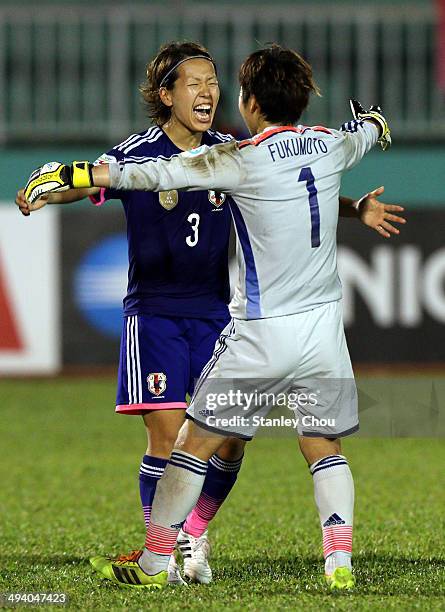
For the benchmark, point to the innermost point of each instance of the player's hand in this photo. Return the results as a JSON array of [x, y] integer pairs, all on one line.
[[55, 176], [378, 215], [375, 115], [25, 207]]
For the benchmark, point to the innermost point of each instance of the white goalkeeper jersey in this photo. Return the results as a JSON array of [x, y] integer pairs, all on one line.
[[285, 185]]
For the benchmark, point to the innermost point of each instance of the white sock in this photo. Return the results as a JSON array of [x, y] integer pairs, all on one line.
[[176, 494], [334, 497], [337, 559], [151, 563]]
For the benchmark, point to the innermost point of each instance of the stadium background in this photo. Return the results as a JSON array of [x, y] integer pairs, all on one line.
[[68, 89]]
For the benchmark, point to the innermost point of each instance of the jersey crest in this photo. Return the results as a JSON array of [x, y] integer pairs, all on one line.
[[157, 382], [168, 199], [217, 198]]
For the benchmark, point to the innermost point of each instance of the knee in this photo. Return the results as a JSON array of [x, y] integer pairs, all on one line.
[[161, 443], [314, 449], [232, 449], [194, 441]]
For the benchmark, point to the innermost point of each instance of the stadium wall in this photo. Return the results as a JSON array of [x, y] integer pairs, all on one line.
[[83, 64]]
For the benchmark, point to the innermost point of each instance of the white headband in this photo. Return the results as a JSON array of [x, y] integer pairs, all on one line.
[[209, 59]]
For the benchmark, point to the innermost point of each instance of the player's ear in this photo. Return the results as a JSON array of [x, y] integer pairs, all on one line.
[[165, 96], [253, 105]]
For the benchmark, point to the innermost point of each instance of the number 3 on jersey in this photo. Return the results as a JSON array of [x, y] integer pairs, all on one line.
[[193, 219], [307, 177]]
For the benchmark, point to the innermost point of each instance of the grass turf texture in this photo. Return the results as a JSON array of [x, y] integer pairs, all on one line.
[[69, 489]]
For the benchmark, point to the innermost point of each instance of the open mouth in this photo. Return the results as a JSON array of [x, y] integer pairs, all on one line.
[[203, 112]]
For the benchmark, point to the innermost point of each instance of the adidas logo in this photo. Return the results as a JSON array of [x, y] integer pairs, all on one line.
[[179, 525], [334, 519], [206, 412]]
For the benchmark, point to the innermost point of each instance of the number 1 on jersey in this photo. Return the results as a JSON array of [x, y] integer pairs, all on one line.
[[307, 177]]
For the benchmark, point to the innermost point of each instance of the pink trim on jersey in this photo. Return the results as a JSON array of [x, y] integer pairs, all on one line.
[[142, 408], [99, 199], [256, 140], [320, 128]]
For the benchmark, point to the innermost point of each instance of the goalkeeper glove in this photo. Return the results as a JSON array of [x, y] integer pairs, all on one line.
[[55, 176], [375, 115]]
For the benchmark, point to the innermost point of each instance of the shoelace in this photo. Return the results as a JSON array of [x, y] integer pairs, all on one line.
[[133, 556]]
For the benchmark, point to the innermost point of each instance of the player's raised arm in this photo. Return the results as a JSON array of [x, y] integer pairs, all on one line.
[[218, 167], [373, 115], [362, 133]]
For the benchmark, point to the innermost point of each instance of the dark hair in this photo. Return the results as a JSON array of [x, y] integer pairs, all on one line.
[[281, 81], [169, 55]]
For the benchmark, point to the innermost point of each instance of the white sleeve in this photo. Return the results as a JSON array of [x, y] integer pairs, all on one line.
[[218, 167], [358, 137], [105, 158]]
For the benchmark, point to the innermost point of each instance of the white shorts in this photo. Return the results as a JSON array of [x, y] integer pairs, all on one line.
[[302, 358]]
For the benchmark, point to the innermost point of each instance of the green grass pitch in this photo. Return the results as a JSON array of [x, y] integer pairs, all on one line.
[[69, 489]]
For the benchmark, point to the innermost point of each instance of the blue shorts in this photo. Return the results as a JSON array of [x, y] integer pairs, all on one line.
[[160, 360]]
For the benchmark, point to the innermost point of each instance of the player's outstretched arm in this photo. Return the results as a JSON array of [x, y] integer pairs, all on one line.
[[218, 167], [373, 213]]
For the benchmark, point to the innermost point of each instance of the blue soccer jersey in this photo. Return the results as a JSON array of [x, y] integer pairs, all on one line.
[[177, 242]]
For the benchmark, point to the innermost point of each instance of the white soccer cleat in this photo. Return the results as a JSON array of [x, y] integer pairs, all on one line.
[[174, 573], [195, 553]]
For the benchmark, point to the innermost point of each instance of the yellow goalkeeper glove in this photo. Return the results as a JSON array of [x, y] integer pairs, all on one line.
[[375, 115], [55, 176]]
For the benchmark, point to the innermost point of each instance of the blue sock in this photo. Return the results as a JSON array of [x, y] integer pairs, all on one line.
[[150, 472]]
